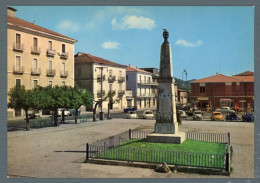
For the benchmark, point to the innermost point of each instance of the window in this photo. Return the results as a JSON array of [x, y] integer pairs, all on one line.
[[35, 64], [63, 83], [140, 78], [120, 73], [63, 67], [202, 89], [63, 48], [120, 87], [18, 64], [17, 82], [144, 79], [126, 77], [35, 83], [110, 72], [110, 87], [50, 65], [50, 83], [35, 44], [18, 41], [50, 45]]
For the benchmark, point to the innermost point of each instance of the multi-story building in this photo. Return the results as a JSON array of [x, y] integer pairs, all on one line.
[[142, 85], [37, 56], [91, 72], [220, 90]]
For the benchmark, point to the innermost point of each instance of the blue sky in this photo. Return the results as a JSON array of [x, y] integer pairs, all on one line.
[[204, 40]]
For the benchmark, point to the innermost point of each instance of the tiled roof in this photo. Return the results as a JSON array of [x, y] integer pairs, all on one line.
[[220, 78], [247, 73], [87, 58], [134, 69], [22, 23]]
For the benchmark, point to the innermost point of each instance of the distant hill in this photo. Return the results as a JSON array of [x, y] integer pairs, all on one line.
[[182, 84]]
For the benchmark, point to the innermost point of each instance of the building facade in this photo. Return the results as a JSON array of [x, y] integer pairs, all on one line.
[[88, 72], [143, 87], [37, 56], [219, 90]]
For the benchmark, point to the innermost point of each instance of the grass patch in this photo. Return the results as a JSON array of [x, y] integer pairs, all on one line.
[[189, 153]]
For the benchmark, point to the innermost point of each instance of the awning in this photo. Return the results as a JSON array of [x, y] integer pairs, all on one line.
[[203, 98]]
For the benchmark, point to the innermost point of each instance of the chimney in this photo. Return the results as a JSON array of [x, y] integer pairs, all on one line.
[[11, 11], [217, 73], [34, 22]]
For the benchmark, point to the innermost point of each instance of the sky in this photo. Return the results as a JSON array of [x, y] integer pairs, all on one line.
[[204, 40]]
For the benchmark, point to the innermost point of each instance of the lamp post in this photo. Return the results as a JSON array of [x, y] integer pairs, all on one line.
[[101, 114]]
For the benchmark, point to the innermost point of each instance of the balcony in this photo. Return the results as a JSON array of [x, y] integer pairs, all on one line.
[[18, 69], [112, 92], [63, 74], [64, 55], [18, 47], [99, 78], [121, 79], [36, 71], [99, 93], [145, 95], [36, 50], [50, 72], [143, 82], [50, 53], [111, 79], [121, 93]]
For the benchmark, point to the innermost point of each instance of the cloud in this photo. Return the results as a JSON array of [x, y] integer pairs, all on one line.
[[90, 26], [184, 43], [68, 26], [111, 45], [133, 22]]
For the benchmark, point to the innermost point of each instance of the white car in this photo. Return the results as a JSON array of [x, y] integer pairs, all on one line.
[[132, 115], [148, 114], [66, 112], [183, 114]]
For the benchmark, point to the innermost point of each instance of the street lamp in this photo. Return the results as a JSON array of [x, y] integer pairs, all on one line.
[[101, 114], [184, 71]]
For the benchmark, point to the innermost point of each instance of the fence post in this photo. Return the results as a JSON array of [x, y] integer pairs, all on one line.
[[228, 138], [130, 131], [87, 151], [227, 159]]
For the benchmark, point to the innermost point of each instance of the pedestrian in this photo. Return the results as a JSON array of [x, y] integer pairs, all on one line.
[[237, 109]]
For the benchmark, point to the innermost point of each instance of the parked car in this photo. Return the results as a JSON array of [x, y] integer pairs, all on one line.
[[183, 114], [231, 116], [66, 112], [248, 116], [148, 114], [197, 115], [73, 112], [216, 116], [129, 109], [132, 115], [225, 110]]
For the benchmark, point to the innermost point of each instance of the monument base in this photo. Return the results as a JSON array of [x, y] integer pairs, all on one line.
[[176, 138]]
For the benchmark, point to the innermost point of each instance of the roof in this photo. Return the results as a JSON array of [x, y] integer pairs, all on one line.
[[87, 58], [22, 23], [134, 69], [247, 73], [220, 78]]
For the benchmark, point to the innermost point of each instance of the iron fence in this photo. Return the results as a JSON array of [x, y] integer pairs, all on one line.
[[209, 137]]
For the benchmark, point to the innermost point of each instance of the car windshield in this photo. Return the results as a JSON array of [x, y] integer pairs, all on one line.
[[149, 112], [132, 112], [217, 114]]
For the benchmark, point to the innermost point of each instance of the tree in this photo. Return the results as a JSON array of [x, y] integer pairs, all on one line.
[[20, 98], [97, 102], [111, 101]]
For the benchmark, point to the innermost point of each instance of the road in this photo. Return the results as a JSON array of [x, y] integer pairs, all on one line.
[[58, 152]]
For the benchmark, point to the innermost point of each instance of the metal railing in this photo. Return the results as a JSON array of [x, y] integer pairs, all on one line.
[[145, 95], [111, 79], [63, 74], [99, 78], [18, 47], [50, 53], [209, 137], [121, 92], [145, 82], [50, 72], [36, 71], [99, 93], [64, 55], [18, 69], [121, 79], [35, 50]]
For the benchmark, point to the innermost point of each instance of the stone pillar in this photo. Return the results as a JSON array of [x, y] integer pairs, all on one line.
[[166, 126]]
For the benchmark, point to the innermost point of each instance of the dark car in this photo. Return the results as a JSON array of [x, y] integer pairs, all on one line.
[[129, 109], [73, 112], [248, 116], [232, 117]]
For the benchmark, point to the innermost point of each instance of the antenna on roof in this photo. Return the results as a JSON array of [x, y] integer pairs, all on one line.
[[34, 22]]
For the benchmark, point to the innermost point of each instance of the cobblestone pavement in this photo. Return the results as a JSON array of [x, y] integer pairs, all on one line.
[[58, 152]]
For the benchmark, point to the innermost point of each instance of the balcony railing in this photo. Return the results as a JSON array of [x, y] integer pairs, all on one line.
[[36, 71], [121, 79], [18, 70], [143, 82], [50, 53], [112, 92], [36, 50], [225, 94], [63, 74], [64, 55], [99, 93], [111, 79], [18, 47], [50, 72], [121, 93], [99, 78], [146, 95]]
